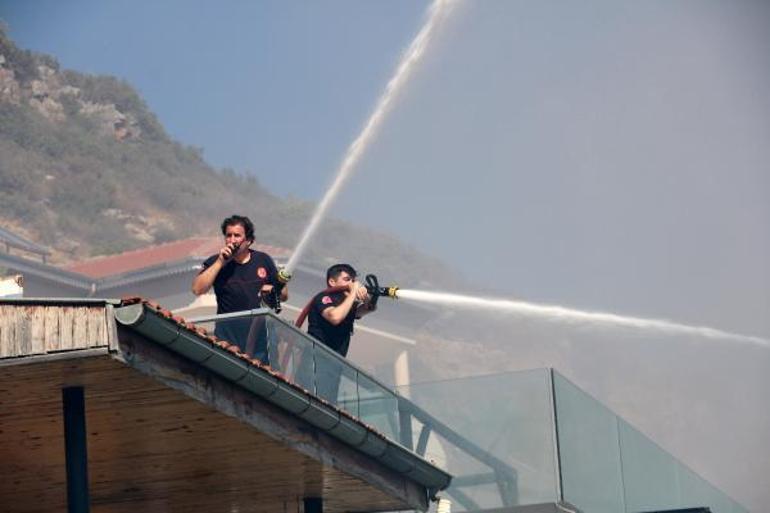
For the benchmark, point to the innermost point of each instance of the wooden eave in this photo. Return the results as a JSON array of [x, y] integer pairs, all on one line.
[[164, 433]]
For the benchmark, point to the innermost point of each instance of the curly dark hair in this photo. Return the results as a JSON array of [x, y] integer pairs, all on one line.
[[244, 221]]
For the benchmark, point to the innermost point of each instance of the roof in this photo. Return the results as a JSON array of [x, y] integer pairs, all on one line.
[[155, 255], [141, 428], [230, 362], [27, 266], [15, 241]]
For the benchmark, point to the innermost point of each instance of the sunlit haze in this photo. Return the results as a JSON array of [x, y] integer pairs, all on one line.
[[601, 163]]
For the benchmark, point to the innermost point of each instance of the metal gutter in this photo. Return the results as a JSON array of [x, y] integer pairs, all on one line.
[[18, 242], [148, 273], [49, 272], [276, 389], [94, 285]]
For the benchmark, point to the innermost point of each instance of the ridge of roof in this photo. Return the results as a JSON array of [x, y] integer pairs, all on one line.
[[19, 242], [148, 256]]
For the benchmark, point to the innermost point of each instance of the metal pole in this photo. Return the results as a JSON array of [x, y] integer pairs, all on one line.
[[313, 505], [75, 453], [405, 426]]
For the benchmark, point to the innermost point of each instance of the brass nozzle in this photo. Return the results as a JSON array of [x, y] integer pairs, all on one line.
[[392, 292], [284, 276]]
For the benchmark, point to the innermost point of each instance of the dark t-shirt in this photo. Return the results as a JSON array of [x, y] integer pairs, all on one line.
[[237, 285], [335, 337]]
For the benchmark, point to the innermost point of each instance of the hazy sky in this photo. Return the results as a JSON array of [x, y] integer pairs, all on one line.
[[606, 155], [602, 155], [613, 158]]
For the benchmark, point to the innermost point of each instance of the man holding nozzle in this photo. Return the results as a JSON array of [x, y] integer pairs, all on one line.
[[335, 310], [330, 320], [243, 279]]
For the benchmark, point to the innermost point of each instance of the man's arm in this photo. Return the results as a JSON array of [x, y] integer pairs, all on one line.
[[203, 282], [267, 288], [365, 309], [365, 306], [205, 279], [336, 314]]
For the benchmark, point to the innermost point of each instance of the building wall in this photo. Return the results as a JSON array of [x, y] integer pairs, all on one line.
[[37, 287]]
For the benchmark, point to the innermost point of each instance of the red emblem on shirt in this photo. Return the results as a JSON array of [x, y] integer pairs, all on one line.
[[326, 300], [262, 272]]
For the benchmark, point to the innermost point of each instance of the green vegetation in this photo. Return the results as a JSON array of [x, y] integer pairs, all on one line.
[[82, 188]]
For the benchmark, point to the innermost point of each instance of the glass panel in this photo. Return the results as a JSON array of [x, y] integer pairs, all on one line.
[[696, 491], [654, 480], [335, 379], [378, 407], [506, 437], [290, 353], [248, 333], [589, 450], [650, 475], [605, 463], [347, 395]]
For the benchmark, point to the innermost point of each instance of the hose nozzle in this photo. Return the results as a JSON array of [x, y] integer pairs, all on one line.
[[273, 298], [284, 275], [391, 292], [375, 291]]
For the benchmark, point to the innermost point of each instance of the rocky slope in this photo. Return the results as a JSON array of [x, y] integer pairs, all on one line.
[[88, 169]]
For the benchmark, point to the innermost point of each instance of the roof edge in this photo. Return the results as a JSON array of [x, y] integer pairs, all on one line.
[[227, 361], [61, 301]]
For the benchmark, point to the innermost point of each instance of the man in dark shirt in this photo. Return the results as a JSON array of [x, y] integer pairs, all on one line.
[[331, 319], [241, 277]]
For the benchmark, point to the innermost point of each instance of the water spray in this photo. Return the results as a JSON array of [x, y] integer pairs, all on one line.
[[411, 57], [572, 316]]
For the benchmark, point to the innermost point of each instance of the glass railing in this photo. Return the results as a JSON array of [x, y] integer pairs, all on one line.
[[558, 444], [310, 364], [518, 438], [509, 416], [609, 466]]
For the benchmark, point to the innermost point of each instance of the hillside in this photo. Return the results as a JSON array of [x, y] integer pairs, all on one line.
[[88, 169]]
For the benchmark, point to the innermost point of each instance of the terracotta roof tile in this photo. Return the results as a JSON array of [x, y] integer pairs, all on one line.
[[195, 247]]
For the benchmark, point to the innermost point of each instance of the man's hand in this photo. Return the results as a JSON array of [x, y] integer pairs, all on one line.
[[336, 314], [364, 306], [228, 251], [358, 290], [362, 294], [268, 288]]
